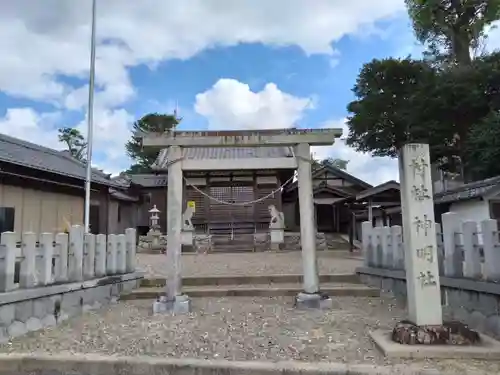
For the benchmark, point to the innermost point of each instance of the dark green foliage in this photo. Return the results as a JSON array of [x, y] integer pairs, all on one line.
[[153, 122], [74, 141], [382, 118], [399, 101], [483, 147]]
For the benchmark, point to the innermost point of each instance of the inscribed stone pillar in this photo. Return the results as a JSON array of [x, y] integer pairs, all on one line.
[[174, 223], [307, 219], [420, 245]]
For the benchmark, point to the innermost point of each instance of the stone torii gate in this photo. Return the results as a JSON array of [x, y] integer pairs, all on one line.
[[300, 142]]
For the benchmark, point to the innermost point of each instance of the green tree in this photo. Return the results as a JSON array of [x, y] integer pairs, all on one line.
[[382, 117], [452, 107], [404, 100], [483, 147], [143, 158], [452, 28], [75, 142]]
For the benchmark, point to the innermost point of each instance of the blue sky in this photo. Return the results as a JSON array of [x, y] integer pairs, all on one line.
[[226, 64]]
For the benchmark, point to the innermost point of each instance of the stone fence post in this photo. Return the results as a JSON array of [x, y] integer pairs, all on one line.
[[75, 256], [131, 234], [7, 261], [111, 255], [100, 255]]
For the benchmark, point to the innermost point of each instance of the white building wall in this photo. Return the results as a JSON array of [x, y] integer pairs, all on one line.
[[473, 210]]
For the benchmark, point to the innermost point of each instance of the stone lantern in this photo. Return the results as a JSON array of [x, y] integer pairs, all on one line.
[[154, 228], [154, 218]]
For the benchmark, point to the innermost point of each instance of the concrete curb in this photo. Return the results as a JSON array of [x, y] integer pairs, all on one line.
[[91, 364]]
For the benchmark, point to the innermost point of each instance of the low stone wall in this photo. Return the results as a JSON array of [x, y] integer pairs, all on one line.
[[476, 303], [261, 241], [26, 310], [84, 364]]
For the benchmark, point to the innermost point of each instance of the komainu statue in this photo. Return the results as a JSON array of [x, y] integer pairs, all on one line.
[[187, 224], [277, 218]]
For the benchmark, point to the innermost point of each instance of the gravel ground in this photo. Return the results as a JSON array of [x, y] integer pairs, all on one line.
[[237, 329], [246, 264]]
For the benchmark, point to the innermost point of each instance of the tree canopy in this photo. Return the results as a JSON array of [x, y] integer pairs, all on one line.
[[483, 147], [381, 117], [451, 29], [404, 100], [75, 142], [153, 122]]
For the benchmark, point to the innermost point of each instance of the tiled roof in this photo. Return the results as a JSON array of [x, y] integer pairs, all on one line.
[[148, 180], [471, 190], [317, 171], [26, 154], [223, 153], [122, 196], [386, 186]]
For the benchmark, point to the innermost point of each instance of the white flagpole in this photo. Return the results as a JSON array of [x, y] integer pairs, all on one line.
[[90, 121]]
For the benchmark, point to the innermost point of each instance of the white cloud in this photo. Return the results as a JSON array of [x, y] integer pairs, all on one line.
[[231, 104], [111, 131], [43, 42], [27, 124], [39, 45]]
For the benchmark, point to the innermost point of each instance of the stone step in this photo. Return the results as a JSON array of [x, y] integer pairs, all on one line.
[[253, 280], [232, 248], [271, 290]]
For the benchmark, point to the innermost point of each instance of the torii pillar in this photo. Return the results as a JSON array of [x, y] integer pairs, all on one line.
[[307, 222], [300, 141]]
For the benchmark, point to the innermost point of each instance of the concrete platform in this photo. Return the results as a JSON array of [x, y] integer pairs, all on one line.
[[488, 349], [273, 290], [252, 280]]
